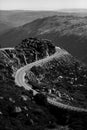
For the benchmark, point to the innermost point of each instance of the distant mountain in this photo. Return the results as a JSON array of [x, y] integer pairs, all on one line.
[[17, 18], [67, 31]]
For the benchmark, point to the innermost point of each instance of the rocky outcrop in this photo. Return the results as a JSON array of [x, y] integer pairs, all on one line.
[[35, 49], [29, 50]]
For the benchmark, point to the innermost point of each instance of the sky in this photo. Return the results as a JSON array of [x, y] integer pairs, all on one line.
[[42, 4]]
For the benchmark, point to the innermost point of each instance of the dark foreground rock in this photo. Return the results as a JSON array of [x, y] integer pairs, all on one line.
[[20, 110]]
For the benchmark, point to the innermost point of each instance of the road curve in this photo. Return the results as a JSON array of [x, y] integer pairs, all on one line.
[[10, 48], [20, 81], [20, 74], [19, 77]]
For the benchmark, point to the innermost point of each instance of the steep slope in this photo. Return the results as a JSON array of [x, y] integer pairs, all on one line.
[[64, 71], [67, 31], [20, 108]]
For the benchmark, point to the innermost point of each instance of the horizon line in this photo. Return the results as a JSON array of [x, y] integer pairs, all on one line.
[[43, 9]]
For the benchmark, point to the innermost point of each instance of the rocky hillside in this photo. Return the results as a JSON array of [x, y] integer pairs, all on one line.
[[67, 31], [20, 109], [61, 78]]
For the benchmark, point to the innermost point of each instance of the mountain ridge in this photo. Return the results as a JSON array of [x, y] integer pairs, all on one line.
[[68, 32]]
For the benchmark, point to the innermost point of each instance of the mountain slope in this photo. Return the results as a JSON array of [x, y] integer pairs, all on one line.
[[21, 109], [4, 27], [18, 18], [11, 19], [68, 32]]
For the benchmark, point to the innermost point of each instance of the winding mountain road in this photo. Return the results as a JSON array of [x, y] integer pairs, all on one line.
[[20, 80]]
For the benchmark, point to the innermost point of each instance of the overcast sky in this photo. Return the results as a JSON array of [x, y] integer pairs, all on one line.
[[42, 4]]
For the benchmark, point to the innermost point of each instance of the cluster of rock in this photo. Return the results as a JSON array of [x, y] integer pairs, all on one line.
[[29, 50], [63, 79], [35, 49], [19, 110]]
